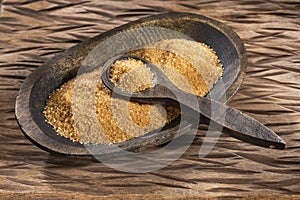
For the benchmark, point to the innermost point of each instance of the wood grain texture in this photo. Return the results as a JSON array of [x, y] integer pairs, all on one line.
[[31, 32]]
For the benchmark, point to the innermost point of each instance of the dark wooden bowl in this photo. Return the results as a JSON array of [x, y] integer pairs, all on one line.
[[43, 81]]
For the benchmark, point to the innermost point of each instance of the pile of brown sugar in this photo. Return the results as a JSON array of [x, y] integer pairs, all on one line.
[[197, 64], [119, 120], [131, 75]]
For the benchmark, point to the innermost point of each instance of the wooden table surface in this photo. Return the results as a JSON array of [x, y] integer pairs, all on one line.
[[32, 32]]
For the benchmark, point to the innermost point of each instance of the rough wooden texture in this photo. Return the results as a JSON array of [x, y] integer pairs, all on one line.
[[31, 32]]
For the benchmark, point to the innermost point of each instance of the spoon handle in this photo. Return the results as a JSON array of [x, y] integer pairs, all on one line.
[[236, 123]]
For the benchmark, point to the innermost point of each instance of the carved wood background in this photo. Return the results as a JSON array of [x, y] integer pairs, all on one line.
[[33, 31]]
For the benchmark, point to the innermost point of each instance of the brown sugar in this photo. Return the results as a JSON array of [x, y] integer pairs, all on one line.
[[111, 114], [119, 120], [192, 66], [126, 74]]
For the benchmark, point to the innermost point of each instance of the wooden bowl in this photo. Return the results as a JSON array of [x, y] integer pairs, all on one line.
[[43, 81]]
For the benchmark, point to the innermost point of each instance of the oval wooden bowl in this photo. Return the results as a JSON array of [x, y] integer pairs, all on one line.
[[44, 80]]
